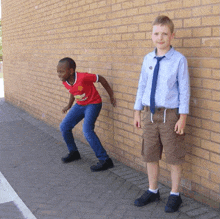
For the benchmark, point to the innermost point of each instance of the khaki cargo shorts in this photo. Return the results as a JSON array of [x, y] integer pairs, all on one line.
[[158, 134]]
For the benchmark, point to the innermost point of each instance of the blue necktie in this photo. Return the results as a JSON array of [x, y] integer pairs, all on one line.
[[154, 83]]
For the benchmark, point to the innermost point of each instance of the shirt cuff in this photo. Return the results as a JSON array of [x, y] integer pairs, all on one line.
[[138, 107], [97, 78], [183, 110]]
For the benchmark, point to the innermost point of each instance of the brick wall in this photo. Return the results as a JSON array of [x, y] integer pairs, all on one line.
[[110, 38]]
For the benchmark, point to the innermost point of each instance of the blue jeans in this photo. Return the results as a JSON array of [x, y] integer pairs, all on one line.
[[74, 116]]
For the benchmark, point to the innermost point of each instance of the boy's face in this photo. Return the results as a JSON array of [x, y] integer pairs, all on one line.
[[161, 37], [63, 71]]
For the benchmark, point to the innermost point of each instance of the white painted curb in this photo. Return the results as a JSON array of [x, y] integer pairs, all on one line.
[[7, 194]]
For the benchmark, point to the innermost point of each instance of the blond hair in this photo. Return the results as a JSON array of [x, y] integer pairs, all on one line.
[[164, 20]]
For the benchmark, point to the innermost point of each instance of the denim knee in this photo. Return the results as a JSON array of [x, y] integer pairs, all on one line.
[[63, 127], [88, 133]]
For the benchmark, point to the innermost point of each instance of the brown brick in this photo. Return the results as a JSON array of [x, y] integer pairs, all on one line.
[[177, 42], [191, 3], [140, 3], [202, 73], [215, 31], [211, 84], [202, 32], [215, 178], [143, 10], [200, 171], [194, 121], [132, 12], [208, 2], [215, 74], [212, 42], [202, 11], [202, 163], [215, 158], [216, 95], [183, 13], [210, 21], [211, 146], [201, 93], [139, 36], [208, 63], [191, 42], [215, 137], [210, 166], [201, 189], [209, 184], [211, 125], [208, 104], [177, 23], [195, 82], [192, 22], [192, 177], [173, 5], [216, 116], [183, 33], [200, 153]]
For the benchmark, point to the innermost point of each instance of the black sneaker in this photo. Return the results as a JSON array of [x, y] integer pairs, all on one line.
[[147, 198], [102, 165], [74, 155], [173, 203]]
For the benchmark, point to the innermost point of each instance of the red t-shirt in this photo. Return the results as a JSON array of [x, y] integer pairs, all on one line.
[[83, 89]]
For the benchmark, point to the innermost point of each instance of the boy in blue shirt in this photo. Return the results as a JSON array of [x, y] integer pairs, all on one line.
[[164, 93]]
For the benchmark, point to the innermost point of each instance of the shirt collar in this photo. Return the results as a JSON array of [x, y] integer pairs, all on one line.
[[168, 54], [74, 80]]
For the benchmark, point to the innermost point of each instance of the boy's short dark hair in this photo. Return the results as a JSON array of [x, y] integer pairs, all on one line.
[[164, 20], [71, 63]]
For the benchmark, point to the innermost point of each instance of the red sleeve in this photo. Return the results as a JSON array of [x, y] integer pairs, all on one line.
[[90, 77]]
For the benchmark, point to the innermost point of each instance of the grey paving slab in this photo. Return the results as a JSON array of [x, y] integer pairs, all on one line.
[[30, 153], [7, 207], [209, 215], [198, 211]]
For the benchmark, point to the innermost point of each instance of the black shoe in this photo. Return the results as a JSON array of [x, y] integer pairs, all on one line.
[[147, 198], [173, 203], [102, 165], [74, 155]]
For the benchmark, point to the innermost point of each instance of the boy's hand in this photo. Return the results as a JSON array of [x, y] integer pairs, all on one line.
[[65, 109], [113, 101], [180, 125], [137, 119]]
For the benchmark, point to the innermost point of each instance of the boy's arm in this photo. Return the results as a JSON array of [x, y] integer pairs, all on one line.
[[107, 87], [183, 86], [71, 101], [141, 86], [137, 119], [140, 91], [184, 96]]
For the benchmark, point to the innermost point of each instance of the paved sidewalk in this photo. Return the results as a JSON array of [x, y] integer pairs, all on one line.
[[30, 153]]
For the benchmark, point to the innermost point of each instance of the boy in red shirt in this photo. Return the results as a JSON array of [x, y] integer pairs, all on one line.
[[88, 106]]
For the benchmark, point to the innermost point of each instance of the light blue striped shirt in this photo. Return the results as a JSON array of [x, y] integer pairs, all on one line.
[[173, 86]]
